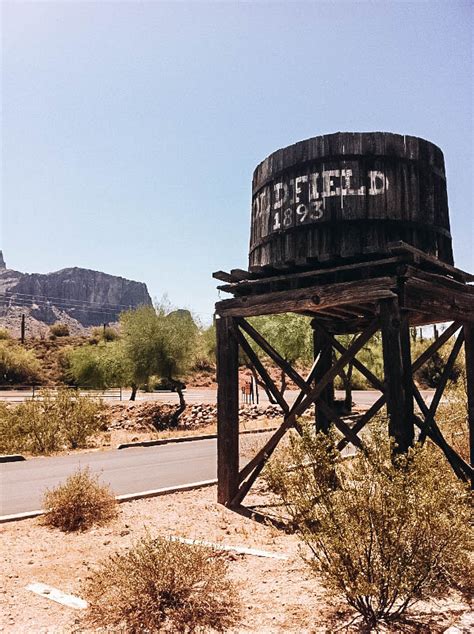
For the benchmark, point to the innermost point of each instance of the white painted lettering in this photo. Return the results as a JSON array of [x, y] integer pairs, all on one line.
[[298, 188], [378, 183], [330, 189], [281, 192], [313, 186]]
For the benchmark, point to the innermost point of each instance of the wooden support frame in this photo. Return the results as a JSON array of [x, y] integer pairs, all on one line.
[[227, 411], [390, 304]]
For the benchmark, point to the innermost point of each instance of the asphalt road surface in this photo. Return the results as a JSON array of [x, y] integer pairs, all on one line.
[[126, 470]]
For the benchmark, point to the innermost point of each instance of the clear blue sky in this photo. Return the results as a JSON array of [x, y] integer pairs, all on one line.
[[130, 130]]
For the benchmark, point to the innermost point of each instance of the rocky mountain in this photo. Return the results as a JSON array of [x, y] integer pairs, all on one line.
[[76, 296]]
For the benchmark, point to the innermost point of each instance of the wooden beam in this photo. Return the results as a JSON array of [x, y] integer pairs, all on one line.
[[363, 420], [416, 365], [400, 414], [469, 351], [355, 362], [227, 412], [340, 424], [244, 344], [313, 274], [459, 466], [402, 248], [323, 346], [313, 298], [222, 276], [240, 274], [301, 404], [438, 301], [444, 378]]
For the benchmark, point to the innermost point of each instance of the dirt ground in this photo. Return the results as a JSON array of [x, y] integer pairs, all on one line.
[[278, 595]]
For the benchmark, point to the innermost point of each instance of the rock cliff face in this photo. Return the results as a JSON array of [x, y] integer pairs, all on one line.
[[87, 297]]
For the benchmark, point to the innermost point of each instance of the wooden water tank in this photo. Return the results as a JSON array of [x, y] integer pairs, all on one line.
[[348, 195]]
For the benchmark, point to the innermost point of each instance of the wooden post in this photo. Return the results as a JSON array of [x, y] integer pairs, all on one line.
[[323, 346], [399, 402], [22, 336], [227, 412], [469, 350], [405, 343]]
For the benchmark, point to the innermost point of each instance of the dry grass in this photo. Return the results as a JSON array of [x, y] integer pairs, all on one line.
[[161, 585], [79, 503]]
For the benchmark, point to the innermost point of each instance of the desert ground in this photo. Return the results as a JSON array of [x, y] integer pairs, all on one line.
[[278, 595]]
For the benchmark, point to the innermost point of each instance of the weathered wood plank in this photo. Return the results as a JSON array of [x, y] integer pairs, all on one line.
[[439, 302], [354, 267], [401, 247], [313, 298], [223, 276]]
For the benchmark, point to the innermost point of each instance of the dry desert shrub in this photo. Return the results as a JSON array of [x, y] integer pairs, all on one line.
[[50, 422], [382, 532], [59, 330], [79, 503], [161, 585]]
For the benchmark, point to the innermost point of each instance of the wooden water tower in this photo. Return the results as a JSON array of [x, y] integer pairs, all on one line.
[[353, 230]]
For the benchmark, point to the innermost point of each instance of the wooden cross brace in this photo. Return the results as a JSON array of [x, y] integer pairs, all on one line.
[[232, 332]]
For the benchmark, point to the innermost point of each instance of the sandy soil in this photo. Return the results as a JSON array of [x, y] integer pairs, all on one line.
[[278, 596]]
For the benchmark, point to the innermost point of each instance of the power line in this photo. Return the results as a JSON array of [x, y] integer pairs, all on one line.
[[62, 306], [51, 298]]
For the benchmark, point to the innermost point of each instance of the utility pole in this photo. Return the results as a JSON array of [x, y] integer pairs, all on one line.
[[22, 336]]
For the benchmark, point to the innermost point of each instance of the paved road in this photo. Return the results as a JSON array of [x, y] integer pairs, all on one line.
[[362, 398], [126, 470]]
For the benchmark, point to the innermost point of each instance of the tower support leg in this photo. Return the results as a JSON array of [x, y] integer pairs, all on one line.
[[398, 377], [322, 346], [227, 412], [469, 350]]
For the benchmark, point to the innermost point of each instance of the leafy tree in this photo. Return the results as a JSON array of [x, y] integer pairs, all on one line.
[[177, 348], [141, 343], [157, 341], [101, 366]]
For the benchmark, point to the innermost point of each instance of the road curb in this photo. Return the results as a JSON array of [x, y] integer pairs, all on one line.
[[125, 497], [152, 493], [178, 439], [12, 458]]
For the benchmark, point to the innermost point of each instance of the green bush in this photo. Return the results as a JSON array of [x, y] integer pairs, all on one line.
[[160, 585], [382, 535], [18, 365], [59, 330], [4, 334], [50, 422], [79, 503]]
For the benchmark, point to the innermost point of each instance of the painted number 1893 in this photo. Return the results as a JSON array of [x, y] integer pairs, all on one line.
[[311, 211]]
